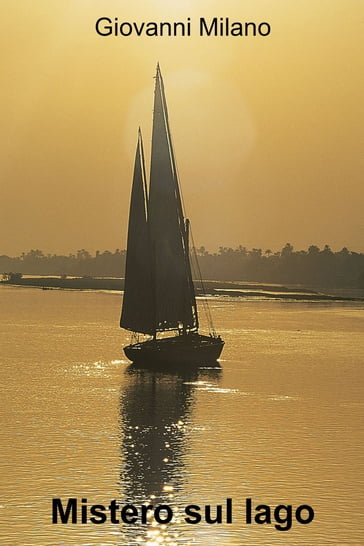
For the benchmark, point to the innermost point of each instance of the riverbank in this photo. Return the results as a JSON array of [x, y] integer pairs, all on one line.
[[210, 288]]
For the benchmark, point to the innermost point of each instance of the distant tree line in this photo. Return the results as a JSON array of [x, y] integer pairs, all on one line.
[[35, 262], [314, 266]]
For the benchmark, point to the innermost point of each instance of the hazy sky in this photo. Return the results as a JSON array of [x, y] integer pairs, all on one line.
[[268, 132]]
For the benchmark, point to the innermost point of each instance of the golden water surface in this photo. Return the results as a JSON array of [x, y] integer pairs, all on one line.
[[280, 423]]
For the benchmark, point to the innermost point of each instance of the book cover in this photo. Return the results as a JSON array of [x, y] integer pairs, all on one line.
[[261, 107]]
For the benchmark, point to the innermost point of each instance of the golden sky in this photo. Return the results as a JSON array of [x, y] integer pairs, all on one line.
[[268, 131]]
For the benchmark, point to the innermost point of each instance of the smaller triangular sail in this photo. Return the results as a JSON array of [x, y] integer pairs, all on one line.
[[138, 310]]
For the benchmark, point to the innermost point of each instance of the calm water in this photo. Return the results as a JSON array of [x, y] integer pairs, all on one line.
[[279, 423]]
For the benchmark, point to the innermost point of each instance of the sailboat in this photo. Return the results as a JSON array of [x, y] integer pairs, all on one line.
[[159, 297]]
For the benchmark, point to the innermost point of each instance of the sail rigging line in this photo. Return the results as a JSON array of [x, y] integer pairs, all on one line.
[[205, 303], [189, 274]]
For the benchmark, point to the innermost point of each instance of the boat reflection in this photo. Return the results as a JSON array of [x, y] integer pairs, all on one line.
[[155, 419]]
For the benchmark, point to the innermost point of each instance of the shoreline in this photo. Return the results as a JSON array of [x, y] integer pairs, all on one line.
[[211, 288]]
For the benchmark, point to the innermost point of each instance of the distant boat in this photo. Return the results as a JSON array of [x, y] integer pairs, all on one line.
[[159, 296]]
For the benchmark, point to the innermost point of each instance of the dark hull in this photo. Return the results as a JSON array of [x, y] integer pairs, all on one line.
[[192, 349]]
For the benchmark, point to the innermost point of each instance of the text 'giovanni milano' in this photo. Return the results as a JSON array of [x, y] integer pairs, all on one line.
[[214, 26]]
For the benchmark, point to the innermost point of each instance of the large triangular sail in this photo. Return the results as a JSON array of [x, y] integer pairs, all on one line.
[[175, 305], [138, 311]]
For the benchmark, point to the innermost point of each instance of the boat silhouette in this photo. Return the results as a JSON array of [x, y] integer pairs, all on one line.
[[159, 295]]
